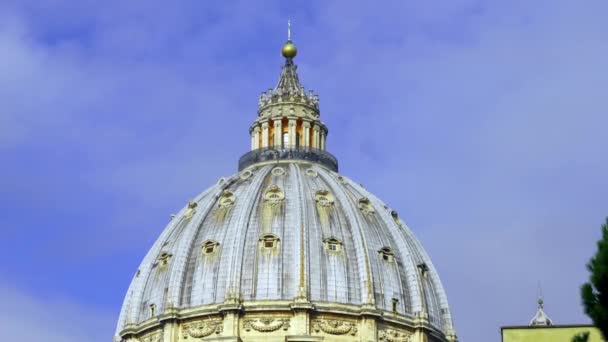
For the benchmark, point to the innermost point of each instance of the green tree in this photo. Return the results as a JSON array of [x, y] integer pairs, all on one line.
[[595, 292], [582, 337]]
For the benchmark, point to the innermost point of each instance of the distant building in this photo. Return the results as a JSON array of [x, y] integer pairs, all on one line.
[[542, 329]]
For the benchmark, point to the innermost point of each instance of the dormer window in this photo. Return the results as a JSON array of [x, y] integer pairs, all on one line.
[[324, 198], [332, 244], [210, 247], [365, 206], [226, 199], [269, 241], [152, 310], [387, 254], [163, 258], [423, 268], [274, 194]]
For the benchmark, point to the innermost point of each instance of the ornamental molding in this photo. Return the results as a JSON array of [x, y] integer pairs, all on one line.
[[334, 327], [266, 324], [202, 329], [390, 335]]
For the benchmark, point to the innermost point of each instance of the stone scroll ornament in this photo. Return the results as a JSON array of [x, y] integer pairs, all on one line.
[[334, 327], [390, 335], [266, 324], [202, 329]]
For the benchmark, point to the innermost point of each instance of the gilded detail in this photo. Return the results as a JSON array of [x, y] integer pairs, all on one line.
[[334, 327], [391, 335], [266, 324], [202, 329]]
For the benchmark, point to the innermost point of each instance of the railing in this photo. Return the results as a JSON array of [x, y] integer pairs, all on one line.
[[309, 154]]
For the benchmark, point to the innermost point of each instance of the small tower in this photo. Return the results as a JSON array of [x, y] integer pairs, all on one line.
[[541, 318]]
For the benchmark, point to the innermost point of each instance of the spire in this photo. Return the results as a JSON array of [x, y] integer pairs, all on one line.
[[289, 81], [289, 89], [541, 318]]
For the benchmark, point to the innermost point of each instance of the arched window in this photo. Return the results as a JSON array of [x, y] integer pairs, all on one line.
[[269, 241], [210, 247], [332, 244], [387, 254]]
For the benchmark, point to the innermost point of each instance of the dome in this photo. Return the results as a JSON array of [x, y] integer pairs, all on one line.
[[286, 249]]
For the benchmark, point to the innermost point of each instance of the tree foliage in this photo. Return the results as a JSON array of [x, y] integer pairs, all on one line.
[[582, 337], [595, 293]]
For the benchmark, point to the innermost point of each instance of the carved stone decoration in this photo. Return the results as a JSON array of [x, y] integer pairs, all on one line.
[[334, 327], [266, 324], [391, 335], [155, 336], [202, 329]]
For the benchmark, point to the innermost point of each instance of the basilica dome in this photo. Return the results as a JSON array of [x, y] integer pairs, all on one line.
[[286, 249]]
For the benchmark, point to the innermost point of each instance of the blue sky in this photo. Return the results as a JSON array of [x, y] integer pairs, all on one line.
[[482, 122]]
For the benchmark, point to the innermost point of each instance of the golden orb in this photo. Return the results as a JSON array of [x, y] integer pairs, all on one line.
[[289, 50]]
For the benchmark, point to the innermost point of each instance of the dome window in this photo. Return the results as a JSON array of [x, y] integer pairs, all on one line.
[[366, 206], [394, 301], [245, 175], [274, 195], [191, 209], [311, 173], [210, 247], [163, 258], [226, 199], [324, 198], [269, 241], [152, 310], [278, 171], [423, 268], [387, 254], [333, 245]]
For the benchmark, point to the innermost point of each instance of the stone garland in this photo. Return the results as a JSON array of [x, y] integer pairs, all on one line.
[[202, 329], [334, 327], [390, 335], [266, 324]]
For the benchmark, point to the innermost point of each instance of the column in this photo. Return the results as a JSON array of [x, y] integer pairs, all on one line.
[[306, 134], [264, 134], [315, 136], [322, 144], [278, 135], [292, 132], [256, 137]]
